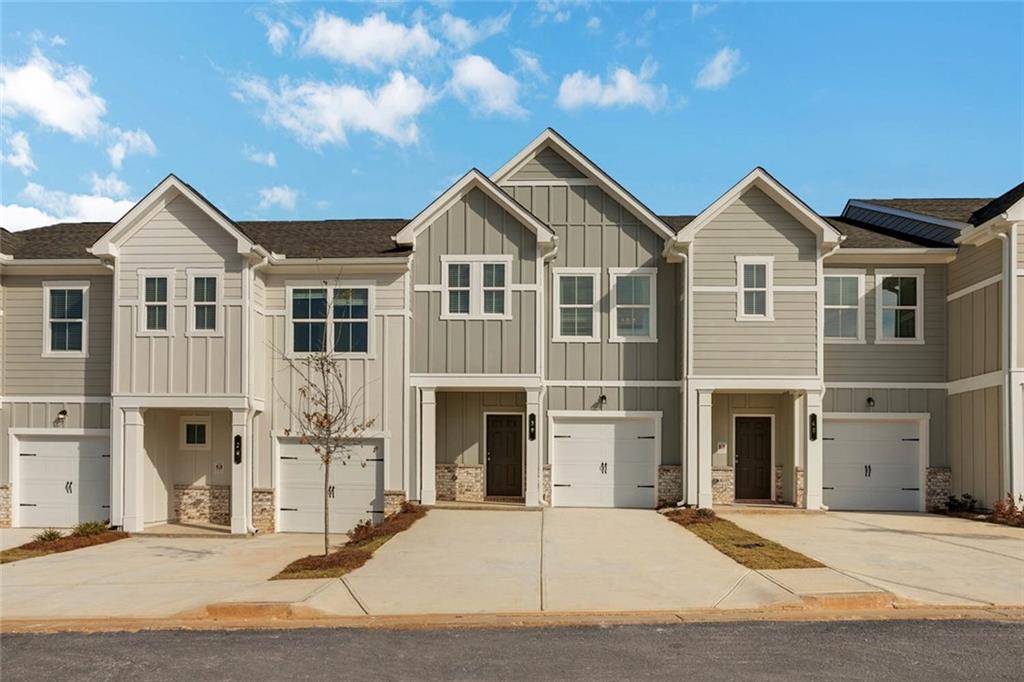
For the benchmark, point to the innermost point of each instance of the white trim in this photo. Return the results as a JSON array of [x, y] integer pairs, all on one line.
[[652, 277], [897, 257], [920, 217], [563, 182], [735, 452], [769, 288], [170, 304], [755, 383], [475, 381], [476, 263], [884, 385], [88, 399], [976, 383], [83, 286], [916, 273], [183, 424], [861, 299], [522, 443], [977, 286], [613, 383], [328, 288], [556, 293], [191, 274]]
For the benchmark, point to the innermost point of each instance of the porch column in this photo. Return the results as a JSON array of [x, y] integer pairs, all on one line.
[[813, 471], [134, 452], [428, 445], [533, 467], [704, 494], [690, 460], [239, 505]]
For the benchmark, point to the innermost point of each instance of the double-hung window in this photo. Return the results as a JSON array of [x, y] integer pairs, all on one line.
[[844, 306], [204, 290], [899, 309], [633, 297], [351, 314], [458, 288], [494, 288], [66, 330], [577, 296], [754, 288], [475, 287], [343, 326], [309, 320], [155, 302]]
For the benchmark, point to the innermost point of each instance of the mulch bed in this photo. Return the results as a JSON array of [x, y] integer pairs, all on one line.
[[985, 517], [65, 544], [739, 544], [364, 540]]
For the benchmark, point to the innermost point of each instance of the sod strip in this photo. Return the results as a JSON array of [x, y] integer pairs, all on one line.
[[740, 545]]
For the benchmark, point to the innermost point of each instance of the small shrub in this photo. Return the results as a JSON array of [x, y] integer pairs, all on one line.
[[361, 532], [1006, 511], [87, 528], [48, 535], [964, 503]]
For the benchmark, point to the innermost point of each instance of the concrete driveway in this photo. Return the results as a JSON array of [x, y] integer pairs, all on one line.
[[923, 557]]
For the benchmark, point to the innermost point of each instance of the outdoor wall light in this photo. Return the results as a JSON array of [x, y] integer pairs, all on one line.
[[532, 426], [62, 417], [871, 401], [603, 400]]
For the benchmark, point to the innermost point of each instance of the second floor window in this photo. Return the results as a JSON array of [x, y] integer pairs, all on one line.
[[494, 288], [475, 287], [577, 306], [899, 310], [65, 319], [156, 303], [633, 296], [204, 304], [458, 288], [343, 326], [843, 310], [351, 320], [754, 275]]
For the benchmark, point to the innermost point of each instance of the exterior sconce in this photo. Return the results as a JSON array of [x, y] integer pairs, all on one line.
[[871, 402], [62, 417], [531, 427]]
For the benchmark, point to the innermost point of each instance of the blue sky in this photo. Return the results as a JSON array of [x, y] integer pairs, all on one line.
[[295, 110]]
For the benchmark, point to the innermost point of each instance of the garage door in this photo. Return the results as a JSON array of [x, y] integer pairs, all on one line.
[[603, 462], [356, 488], [872, 465], [63, 481]]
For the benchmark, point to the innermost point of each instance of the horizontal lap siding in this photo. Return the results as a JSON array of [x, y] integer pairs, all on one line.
[[460, 420], [547, 165], [883, 362], [974, 264], [975, 444], [974, 333]]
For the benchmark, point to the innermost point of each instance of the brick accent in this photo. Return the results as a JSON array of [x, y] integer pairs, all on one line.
[[393, 501], [723, 485], [670, 485], [778, 484], [263, 509], [938, 488], [459, 482], [801, 488], [203, 504], [5, 505], [546, 485]]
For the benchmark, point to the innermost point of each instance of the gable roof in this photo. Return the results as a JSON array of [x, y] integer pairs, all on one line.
[[474, 179], [1000, 204], [764, 181], [952, 209], [550, 139]]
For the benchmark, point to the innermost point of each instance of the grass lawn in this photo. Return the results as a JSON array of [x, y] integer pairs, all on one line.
[[742, 546], [67, 543], [363, 542]]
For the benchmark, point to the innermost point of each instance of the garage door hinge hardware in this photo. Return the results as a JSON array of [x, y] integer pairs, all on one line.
[[646, 437], [287, 457], [378, 459], [28, 454], [909, 488], [563, 485], [644, 486], [101, 456], [104, 506], [26, 504], [289, 509], [557, 436], [827, 487], [827, 438], [915, 440]]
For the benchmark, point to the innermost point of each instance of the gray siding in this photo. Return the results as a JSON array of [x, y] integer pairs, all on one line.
[[975, 333], [546, 165], [460, 422], [475, 225], [895, 362], [974, 264], [42, 415], [976, 444]]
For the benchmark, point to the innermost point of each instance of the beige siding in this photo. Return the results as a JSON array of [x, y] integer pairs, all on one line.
[[388, 288], [895, 362], [975, 444], [898, 400], [974, 264], [460, 423], [26, 372], [43, 415], [975, 333], [726, 406], [546, 166], [163, 439], [475, 225], [1020, 321]]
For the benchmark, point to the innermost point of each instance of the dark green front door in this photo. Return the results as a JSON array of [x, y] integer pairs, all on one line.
[[505, 455]]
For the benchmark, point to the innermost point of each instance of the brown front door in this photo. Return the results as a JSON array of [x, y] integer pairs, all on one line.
[[753, 458], [505, 455]]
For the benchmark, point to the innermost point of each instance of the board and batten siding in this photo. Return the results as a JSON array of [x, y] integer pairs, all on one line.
[[460, 422], [755, 225], [180, 237], [976, 444], [36, 414], [475, 225], [894, 362], [975, 333]]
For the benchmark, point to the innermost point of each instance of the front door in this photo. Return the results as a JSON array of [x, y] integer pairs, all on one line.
[[505, 455], [753, 458]]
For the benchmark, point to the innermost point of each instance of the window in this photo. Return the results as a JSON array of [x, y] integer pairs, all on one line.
[[351, 320], [66, 324], [494, 288], [844, 307], [195, 433], [204, 292], [309, 320], [633, 297], [155, 292], [475, 287], [898, 306], [754, 288], [343, 326], [458, 289], [577, 305]]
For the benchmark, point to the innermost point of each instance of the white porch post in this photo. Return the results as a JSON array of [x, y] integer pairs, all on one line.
[[134, 452], [690, 461], [704, 493], [533, 467], [116, 465], [813, 471], [428, 445], [239, 505]]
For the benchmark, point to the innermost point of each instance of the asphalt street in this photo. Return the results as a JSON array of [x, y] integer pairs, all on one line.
[[903, 650]]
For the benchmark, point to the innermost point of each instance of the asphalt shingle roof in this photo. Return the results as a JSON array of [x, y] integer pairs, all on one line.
[[864, 236], [956, 209], [998, 205]]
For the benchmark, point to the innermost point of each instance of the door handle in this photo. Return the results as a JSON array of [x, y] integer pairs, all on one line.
[[865, 470], [869, 471], [67, 487]]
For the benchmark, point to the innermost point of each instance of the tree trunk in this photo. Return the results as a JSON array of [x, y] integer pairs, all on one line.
[[327, 508]]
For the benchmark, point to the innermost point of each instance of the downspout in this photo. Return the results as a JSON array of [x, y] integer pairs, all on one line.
[[250, 411], [1009, 275], [687, 306]]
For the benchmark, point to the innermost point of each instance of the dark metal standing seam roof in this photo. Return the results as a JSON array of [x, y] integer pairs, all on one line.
[[955, 209]]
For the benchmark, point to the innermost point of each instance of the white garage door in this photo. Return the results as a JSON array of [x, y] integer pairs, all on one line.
[[606, 462], [356, 488], [872, 465], [63, 480]]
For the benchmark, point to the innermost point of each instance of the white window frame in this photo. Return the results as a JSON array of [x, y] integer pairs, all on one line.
[[219, 307], [769, 291], [83, 286], [182, 429], [860, 275], [140, 326], [652, 276], [476, 286], [371, 315], [556, 331], [918, 274]]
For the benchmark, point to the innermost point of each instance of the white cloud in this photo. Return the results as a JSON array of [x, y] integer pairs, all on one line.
[[372, 44], [319, 113], [594, 24], [45, 207], [463, 34], [20, 154], [262, 158], [109, 185], [128, 142], [529, 63], [720, 70], [278, 34], [476, 81], [278, 195], [557, 11], [623, 88], [699, 10], [57, 41], [56, 96]]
